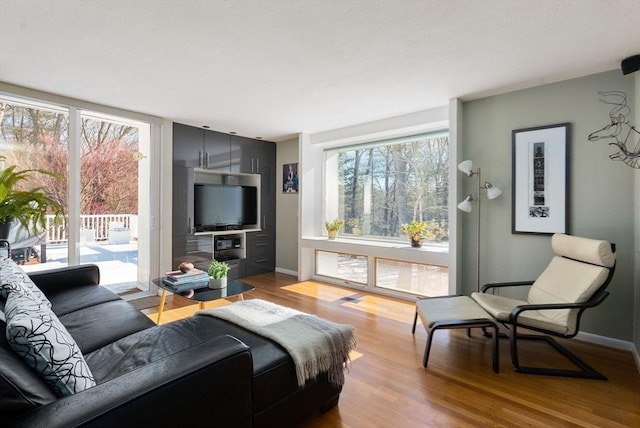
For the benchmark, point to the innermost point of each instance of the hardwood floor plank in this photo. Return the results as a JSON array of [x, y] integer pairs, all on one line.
[[386, 385]]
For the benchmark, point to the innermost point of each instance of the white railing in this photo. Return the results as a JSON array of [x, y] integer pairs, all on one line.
[[96, 226]]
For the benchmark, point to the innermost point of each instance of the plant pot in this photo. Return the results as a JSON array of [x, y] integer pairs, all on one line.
[[5, 228], [416, 243], [332, 234], [356, 231], [217, 283]]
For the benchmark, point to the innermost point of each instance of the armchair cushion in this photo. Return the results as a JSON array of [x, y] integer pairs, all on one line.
[[45, 345], [566, 281], [592, 251], [500, 308]]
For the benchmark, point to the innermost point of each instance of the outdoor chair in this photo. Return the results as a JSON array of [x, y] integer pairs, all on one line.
[[575, 280]]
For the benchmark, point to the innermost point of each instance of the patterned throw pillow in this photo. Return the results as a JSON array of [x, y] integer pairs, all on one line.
[[38, 337], [12, 278]]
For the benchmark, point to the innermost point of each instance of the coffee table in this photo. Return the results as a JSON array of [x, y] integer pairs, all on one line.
[[202, 295]]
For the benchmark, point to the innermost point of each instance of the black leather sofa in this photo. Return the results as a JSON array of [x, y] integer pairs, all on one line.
[[200, 371]]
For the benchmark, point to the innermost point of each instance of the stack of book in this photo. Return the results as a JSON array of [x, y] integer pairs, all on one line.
[[178, 281]]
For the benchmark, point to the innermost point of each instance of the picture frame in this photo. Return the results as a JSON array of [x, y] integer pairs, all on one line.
[[290, 179], [540, 180]]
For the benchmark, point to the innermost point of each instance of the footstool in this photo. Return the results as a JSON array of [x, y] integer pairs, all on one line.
[[449, 312]]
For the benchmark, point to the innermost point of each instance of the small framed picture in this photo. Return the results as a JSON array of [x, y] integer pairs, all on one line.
[[540, 179], [290, 180]]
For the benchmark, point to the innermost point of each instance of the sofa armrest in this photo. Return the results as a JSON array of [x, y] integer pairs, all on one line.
[[66, 277], [209, 384]]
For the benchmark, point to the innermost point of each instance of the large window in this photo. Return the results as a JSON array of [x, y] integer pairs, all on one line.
[[378, 186]]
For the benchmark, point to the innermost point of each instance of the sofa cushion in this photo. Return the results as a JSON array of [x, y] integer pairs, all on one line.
[[142, 348], [43, 343], [20, 388], [14, 279], [274, 373], [74, 299], [97, 326]]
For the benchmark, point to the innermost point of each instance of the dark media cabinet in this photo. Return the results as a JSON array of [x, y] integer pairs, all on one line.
[[223, 158]]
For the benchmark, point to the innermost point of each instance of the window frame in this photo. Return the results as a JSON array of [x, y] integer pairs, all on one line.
[[329, 205]]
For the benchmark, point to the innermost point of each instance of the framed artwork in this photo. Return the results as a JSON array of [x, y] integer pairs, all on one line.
[[540, 179], [290, 180]]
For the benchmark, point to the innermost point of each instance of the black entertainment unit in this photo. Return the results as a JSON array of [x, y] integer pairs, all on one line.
[[203, 156]]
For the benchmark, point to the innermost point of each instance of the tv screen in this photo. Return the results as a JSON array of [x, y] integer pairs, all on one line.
[[219, 207]]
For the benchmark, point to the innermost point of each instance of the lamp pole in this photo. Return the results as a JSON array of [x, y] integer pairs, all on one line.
[[492, 193], [478, 235]]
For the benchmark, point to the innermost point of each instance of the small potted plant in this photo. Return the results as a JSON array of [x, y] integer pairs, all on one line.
[[416, 231], [333, 227], [28, 207], [355, 226], [218, 274]]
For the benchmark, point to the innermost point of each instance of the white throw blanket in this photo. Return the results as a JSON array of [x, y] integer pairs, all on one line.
[[316, 345]]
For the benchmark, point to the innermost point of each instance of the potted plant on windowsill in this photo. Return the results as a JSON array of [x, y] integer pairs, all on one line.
[[27, 206], [419, 230], [416, 231], [333, 227], [218, 274], [355, 226]]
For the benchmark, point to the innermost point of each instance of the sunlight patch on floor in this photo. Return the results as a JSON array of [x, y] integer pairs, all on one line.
[[169, 315], [379, 306], [323, 292], [354, 355]]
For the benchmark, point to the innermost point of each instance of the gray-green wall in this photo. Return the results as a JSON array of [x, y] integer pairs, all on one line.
[[286, 212], [600, 190]]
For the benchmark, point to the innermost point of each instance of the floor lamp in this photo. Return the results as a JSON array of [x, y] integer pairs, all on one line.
[[466, 206]]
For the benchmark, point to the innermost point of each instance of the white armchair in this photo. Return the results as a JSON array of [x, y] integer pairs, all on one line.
[[575, 280]]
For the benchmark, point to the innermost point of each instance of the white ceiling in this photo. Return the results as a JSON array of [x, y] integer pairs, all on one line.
[[272, 69]]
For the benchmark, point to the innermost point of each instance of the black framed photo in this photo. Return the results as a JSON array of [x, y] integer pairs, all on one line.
[[540, 179], [290, 180]]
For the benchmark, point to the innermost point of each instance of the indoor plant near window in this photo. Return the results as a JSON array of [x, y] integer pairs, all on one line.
[[218, 274], [355, 226], [416, 231], [419, 230], [333, 227], [27, 206]]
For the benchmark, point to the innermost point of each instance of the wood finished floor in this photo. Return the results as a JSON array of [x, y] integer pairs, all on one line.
[[386, 385]]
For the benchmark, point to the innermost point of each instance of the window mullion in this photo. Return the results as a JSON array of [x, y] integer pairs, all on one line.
[[75, 121]]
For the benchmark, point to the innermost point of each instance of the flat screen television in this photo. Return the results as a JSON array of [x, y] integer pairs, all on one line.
[[223, 207]]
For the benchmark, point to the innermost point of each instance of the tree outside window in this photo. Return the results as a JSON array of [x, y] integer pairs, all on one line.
[[376, 187]]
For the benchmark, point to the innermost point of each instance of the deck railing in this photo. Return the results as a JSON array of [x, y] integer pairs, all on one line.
[[93, 227]]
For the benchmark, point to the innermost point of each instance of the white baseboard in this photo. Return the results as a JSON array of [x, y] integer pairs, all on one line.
[[611, 343], [605, 341], [287, 272]]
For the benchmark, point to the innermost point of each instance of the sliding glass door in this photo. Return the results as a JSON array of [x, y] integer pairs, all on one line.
[[102, 162]]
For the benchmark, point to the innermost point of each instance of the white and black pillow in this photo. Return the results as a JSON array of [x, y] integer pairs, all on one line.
[[12, 278], [39, 338]]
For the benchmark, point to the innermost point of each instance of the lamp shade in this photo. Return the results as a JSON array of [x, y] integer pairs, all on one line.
[[492, 191], [466, 205], [465, 166]]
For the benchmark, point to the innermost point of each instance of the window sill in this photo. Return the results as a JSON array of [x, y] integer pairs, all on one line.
[[431, 254]]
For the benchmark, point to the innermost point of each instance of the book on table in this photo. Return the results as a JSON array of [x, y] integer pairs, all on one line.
[[177, 277], [186, 286]]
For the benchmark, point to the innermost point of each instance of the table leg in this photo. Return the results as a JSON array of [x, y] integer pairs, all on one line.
[[240, 296], [163, 297]]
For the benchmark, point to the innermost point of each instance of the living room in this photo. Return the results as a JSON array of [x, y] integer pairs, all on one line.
[[547, 65]]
